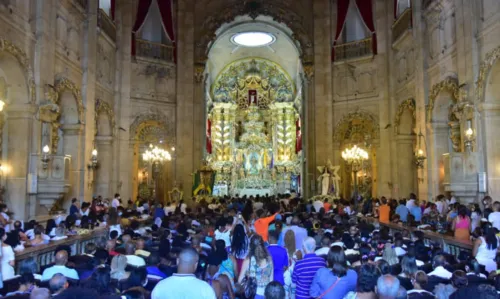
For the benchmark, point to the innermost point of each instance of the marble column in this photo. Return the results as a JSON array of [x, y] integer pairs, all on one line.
[[405, 166], [490, 123], [88, 96], [199, 115], [72, 137], [185, 130], [323, 103], [309, 169], [104, 146], [421, 94], [438, 145], [19, 126]]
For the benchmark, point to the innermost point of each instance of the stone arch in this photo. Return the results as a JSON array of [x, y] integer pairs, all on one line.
[[65, 85], [21, 57], [406, 105], [279, 13], [449, 84], [484, 71], [142, 122], [102, 108]]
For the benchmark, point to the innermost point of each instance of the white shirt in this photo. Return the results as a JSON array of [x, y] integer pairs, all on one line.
[[440, 207], [225, 236], [183, 208], [410, 204], [49, 272], [86, 213], [322, 251], [115, 203], [494, 218], [318, 204], [135, 260], [399, 251], [183, 286], [440, 271]]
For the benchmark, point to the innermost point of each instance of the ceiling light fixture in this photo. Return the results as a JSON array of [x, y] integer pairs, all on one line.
[[253, 39]]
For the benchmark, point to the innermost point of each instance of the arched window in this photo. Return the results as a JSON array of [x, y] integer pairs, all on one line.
[[105, 5], [402, 6], [152, 30], [354, 27]]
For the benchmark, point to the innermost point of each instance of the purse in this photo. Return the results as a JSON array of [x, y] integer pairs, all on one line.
[[328, 290], [249, 285]]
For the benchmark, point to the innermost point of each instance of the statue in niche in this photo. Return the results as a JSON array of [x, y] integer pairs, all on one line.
[[324, 180]]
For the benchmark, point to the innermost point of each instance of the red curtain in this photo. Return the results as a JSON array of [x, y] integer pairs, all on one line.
[[298, 136], [142, 12], [209, 136], [167, 17], [112, 9], [342, 8], [365, 8]]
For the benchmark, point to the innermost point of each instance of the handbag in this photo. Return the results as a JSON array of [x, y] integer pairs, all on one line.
[[328, 290], [249, 284]]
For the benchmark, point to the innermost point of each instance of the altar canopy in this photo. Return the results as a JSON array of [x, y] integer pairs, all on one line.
[[252, 141]]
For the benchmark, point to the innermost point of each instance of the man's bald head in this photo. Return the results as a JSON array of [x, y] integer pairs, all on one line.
[[309, 245], [58, 283], [61, 257], [187, 261]]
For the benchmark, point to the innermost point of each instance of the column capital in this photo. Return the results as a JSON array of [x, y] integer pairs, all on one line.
[[72, 129], [199, 72]]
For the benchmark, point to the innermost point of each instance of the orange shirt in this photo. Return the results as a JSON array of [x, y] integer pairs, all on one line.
[[327, 206], [383, 213], [262, 226]]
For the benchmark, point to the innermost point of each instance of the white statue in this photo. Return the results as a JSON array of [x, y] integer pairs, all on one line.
[[324, 179]]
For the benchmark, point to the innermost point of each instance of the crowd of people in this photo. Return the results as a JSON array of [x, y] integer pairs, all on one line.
[[272, 247]]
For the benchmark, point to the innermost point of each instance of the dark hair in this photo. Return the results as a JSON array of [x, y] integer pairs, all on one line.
[[113, 234], [491, 238], [101, 256], [239, 242], [497, 282], [274, 290], [78, 293], [27, 278], [462, 211], [133, 294], [51, 223], [100, 280], [220, 250], [2, 233], [137, 277], [474, 266], [336, 260], [13, 239], [28, 265], [154, 259], [384, 267], [409, 266], [367, 278], [459, 279]]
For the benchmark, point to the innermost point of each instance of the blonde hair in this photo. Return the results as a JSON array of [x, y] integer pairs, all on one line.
[[118, 265], [390, 255]]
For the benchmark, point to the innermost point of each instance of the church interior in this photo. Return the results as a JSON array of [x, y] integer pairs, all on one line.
[[155, 98]]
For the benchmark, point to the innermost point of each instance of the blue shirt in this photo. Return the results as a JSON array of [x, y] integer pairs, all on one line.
[[416, 211], [73, 210], [280, 261], [402, 211], [324, 279], [304, 272]]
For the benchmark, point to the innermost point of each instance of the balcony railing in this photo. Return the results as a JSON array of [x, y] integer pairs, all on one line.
[[107, 25], [402, 24], [354, 50], [153, 50]]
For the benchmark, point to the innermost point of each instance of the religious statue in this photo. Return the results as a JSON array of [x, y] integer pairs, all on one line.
[[324, 180]]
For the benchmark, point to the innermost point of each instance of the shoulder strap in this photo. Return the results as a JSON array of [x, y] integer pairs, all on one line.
[[329, 289]]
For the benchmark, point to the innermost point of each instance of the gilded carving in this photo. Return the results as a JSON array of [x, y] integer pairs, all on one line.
[[279, 11], [22, 58], [309, 71], [64, 84], [408, 104], [356, 127], [490, 59], [199, 72], [103, 107], [153, 118], [449, 84]]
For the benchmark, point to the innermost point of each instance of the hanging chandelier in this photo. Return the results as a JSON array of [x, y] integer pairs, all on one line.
[[156, 154], [354, 155], [419, 152]]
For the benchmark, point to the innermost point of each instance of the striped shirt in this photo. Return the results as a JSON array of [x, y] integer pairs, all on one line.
[[303, 274]]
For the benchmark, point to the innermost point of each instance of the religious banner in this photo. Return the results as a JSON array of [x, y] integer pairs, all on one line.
[[298, 136], [209, 136]]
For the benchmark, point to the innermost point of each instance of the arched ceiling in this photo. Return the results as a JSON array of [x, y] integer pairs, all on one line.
[[283, 51]]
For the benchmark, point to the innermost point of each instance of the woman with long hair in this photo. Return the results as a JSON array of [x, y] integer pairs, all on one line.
[[228, 262], [485, 249], [100, 281], [367, 281], [461, 224], [390, 254], [337, 280], [258, 264], [8, 259], [290, 245], [239, 245], [408, 270]]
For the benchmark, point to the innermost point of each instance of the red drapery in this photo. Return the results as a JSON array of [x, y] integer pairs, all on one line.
[[112, 9], [342, 8], [142, 12], [167, 18], [365, 8], [298, 136], [209, 136]]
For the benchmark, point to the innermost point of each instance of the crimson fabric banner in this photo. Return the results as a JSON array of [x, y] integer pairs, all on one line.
[[209, 136], [298, 136], [142, 12]]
